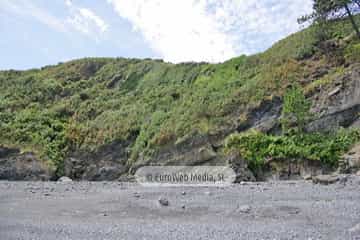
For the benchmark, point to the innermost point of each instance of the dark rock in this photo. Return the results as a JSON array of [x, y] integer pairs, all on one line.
[[15, 165], [239, 165], [108, 163], [343, 107], [163, 201]]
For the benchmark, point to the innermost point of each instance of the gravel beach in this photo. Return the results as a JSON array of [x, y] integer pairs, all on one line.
[[114, 210]]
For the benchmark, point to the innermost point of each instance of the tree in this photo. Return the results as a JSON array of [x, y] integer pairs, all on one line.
[[327, 10]]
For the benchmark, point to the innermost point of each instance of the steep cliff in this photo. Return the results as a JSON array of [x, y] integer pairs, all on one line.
[[101, 119]]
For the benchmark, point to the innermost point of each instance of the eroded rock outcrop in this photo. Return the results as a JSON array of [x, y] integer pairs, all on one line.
[[15, 165]]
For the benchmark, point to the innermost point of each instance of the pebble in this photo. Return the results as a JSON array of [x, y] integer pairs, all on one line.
[[163, 201], [64, 179], [245, 209], [355, 229]]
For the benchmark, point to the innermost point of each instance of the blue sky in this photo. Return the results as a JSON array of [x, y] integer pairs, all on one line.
[[36, 33]]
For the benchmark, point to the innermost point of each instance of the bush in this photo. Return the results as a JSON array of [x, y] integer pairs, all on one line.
[[296, 110], [257, 147]]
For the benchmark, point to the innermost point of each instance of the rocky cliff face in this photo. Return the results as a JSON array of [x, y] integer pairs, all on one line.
[[15, 165]]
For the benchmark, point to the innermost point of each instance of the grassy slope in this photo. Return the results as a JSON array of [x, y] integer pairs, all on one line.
[[86, 103]]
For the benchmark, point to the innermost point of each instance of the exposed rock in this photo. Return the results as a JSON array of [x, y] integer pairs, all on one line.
[[343, 107], [163, 201], [326, 179], [106, 164], [64, 179], [292, 169], [239, 165], [351, 160], [15, 165]]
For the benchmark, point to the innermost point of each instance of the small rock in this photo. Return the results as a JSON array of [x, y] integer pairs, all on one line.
[[334, 92], [163, 201], [64, 179], [307, 177], [183, 206], [245, 209], [325, 179], [137, 195], [46, 194], [183, 193], [355, 229]]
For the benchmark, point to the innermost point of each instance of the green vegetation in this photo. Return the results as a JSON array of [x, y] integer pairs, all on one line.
[[295, 112], [295, 143], [258, 147], [84, 104]]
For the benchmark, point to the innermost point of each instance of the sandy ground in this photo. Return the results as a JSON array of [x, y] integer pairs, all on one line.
[[112, 210]]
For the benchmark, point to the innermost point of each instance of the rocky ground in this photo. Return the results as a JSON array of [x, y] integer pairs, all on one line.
[[113, 210]]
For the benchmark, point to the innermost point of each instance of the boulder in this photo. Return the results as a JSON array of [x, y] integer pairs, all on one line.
[[351, 160], [64, 179], [326, 179]]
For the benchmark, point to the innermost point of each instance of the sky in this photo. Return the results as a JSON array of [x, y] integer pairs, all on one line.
[[35, 33]]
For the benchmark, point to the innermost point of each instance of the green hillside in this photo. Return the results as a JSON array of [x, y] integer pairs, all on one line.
[[84, 104]]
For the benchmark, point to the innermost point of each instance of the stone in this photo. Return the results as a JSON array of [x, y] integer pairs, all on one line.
[[163, 201], [352, 158], [245, 209], [358, 173], [64, 179], [355, 229], [183, 193], [307, 177], [334, 92], [325, 179]]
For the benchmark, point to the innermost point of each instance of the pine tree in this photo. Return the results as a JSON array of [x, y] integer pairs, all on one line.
[[327, 10]]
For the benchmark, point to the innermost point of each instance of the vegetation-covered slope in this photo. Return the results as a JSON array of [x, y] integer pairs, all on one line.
[[88, 103]]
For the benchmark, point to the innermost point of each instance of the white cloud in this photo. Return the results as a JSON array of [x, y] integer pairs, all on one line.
[[86, 21], [80, 19], [211, 30], [25, 8]]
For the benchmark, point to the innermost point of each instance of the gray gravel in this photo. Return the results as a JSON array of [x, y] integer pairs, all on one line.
[[112, 210]]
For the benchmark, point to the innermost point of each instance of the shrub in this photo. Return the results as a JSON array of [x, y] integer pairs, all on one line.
[[257, 147], [295, 112]]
